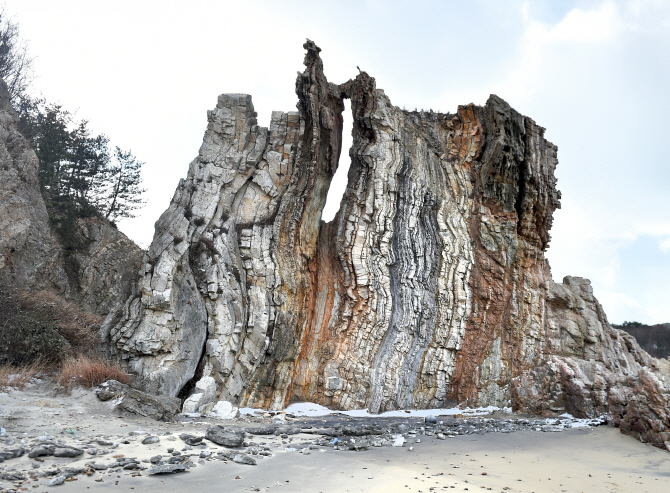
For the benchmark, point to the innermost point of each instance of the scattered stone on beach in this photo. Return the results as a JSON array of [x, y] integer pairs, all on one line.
[[41, 450], [57, 480], [244, 459], [150, 440], [398, 441], [12, 453], [261, 430], [168, 469], [98, 466], [67, 452], [191, 439], [12, 476], [228, 437], [155, 459]]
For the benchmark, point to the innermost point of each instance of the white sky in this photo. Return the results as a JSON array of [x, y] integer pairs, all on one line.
[[596, 74]]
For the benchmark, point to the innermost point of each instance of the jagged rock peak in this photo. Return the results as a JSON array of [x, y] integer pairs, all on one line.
[[429, 288]]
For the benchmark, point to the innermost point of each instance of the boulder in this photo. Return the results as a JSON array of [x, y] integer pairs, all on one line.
[[168, 469], [223, 410], [228, 437], [160, 408], [67, 452], [205, 392]]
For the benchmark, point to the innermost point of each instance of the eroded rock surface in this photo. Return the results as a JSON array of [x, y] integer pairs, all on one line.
[[107, 268], [429, 288]]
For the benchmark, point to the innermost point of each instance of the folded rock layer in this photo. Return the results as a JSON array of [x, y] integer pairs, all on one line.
[[429, 288]]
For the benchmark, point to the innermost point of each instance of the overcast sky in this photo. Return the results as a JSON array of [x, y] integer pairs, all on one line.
[[596, 74]]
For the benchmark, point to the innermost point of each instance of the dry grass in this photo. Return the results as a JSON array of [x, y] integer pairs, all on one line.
[[79, 328], [17, 377], [88, 372]]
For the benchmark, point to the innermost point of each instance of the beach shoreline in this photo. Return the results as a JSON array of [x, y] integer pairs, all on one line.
[[583, 459]]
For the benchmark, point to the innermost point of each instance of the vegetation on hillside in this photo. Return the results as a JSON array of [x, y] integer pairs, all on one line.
[[655, 339], [16, 66], [80, 176]]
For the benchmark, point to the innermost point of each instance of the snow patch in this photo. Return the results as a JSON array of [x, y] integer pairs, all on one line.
[[310, 409]]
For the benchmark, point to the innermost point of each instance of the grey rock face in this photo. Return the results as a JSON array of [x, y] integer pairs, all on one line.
[[107, 268], [29, 254]]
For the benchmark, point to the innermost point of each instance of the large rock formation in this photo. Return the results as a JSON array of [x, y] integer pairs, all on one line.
[[429, 288]]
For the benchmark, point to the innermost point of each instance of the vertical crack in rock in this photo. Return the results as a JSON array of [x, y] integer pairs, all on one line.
[[429, 288]]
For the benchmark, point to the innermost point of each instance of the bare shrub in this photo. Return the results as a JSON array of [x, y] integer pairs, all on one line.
[[17, 377], [88, 372], [27, 335], [79, 328]]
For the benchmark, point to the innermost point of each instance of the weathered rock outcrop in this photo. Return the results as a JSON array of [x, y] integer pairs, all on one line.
[[106, 268], [429, 288], [29, 253]]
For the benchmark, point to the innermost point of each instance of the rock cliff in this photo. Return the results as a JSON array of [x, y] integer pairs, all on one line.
[[31, 257], [429, 288], [29, 253]]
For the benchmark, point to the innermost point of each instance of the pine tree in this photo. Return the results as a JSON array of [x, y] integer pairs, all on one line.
[[121, 196], [79, 177]]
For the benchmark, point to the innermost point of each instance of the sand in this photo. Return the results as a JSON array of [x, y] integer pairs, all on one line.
[[596, 459]]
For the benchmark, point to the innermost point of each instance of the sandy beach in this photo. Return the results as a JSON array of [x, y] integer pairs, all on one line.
[[589, 459]]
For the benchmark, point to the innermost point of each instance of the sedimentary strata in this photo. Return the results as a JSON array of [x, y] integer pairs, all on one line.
[[429, 288]]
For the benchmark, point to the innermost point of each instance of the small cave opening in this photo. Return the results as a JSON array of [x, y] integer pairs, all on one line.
[[338, 184]]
